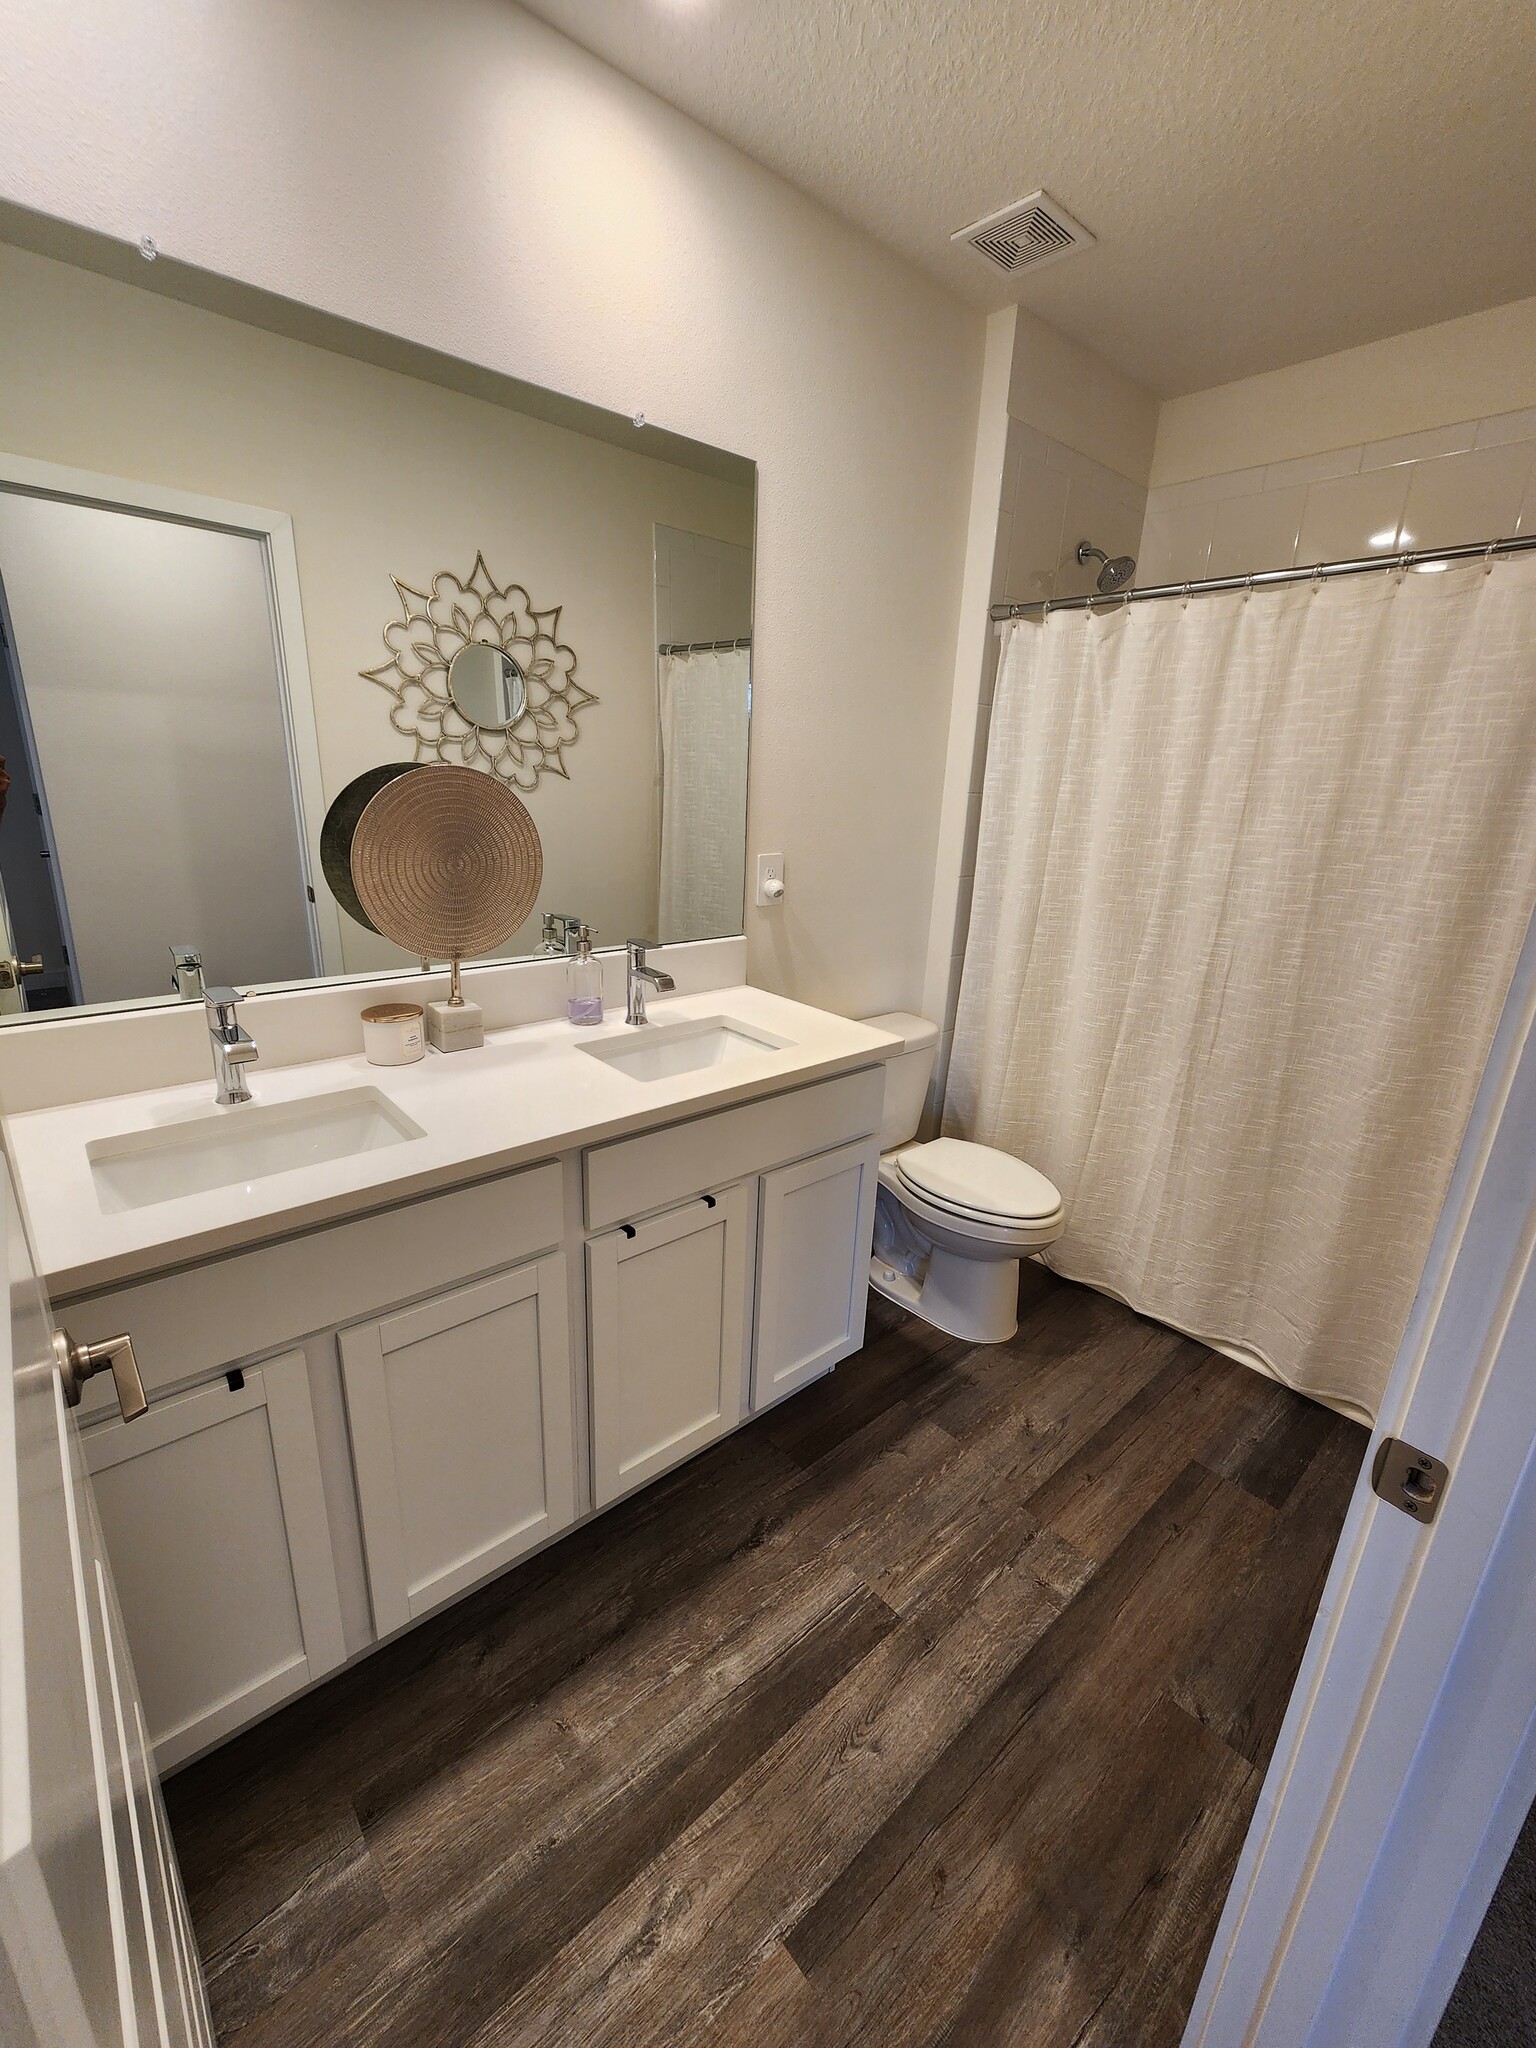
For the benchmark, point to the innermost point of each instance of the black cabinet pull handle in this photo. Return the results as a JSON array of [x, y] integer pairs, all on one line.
[[709, 1201], [629, 1230]]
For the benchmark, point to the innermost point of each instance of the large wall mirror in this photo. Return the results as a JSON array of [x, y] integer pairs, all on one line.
[[249, 555]]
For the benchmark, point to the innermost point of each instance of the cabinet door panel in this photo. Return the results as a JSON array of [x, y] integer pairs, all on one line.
[[214, 1519], [669, 1302], [460, 1413], [813, 1264]]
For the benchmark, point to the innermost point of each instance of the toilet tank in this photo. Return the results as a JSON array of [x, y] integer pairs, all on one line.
[[907, 1074]]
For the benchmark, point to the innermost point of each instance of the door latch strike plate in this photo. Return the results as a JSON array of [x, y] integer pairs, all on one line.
[[1409, 1479]]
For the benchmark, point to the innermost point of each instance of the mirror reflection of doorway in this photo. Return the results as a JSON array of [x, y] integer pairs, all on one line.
[[141, 716], [36, 960]]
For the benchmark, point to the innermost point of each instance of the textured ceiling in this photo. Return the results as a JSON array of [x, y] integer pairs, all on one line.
[[1268, 179]]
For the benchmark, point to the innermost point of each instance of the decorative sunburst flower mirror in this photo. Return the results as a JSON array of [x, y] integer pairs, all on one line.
[[480, 679]]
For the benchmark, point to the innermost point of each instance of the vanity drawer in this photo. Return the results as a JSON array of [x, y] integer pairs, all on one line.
[[203, 1318], [636, 1175]]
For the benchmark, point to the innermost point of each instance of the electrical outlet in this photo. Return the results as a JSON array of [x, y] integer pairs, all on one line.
[[770, 880]]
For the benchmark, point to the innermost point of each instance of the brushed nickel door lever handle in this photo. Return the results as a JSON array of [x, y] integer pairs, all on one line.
[[79, 1362]]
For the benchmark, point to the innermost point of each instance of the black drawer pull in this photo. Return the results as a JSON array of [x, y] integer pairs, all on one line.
[[709, 1201], [236, 1381], [629, 1230]]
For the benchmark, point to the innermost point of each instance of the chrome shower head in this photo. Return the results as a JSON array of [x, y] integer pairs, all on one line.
[[1115, 574]]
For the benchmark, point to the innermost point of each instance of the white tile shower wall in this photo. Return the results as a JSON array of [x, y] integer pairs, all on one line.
[[1052, 498], [1473, 481], [703, 586]]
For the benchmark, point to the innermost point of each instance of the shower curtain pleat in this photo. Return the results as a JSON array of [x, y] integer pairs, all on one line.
[[1252, 878], [704, 710]]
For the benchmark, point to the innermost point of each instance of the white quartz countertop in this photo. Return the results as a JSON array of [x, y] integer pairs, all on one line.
[[528, 1094]]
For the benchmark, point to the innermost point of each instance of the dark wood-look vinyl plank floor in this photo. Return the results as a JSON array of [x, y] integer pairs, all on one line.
[[928, 1710]]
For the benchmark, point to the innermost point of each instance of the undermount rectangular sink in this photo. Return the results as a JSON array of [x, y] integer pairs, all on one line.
[[242, 1144], [660, 1052]]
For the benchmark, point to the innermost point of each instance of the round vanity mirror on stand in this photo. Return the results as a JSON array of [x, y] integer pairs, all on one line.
[[447, 863], [340, 825], [487, 686]]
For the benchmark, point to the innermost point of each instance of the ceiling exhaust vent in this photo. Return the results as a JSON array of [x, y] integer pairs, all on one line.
[[1029, 233]]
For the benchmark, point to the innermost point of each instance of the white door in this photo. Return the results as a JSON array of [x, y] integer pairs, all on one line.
[[460, 1412], [214, 1515], [814, 1227], [669, 1303], [95, 1947], [1407, 1760]]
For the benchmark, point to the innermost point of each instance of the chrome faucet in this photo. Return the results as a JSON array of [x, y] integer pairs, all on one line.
[[233, 1048], [635, 979], [187, 974]]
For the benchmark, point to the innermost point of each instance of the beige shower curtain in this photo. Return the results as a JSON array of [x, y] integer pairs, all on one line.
[[704, 707], [1252, 878]]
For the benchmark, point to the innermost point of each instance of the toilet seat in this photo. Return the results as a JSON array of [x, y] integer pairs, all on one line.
[[977, 1184], [1002, 1236]]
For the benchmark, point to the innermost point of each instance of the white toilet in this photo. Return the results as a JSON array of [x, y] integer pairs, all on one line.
[[963, 1216]]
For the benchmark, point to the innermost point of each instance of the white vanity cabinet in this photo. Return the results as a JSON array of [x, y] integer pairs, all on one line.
[[214, 1517], [221, 1513], [350, 1426], [668, 1308], [815, 1221], [732, 1296], [460, 1415]]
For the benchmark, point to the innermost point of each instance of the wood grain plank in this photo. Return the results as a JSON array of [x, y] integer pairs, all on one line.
[[1237, 1675], [526, 1787], [694, 1924], [775, 2008], [1098, 1495], [483, 1950], [321, 1917], [1081, 1922], [1154, 1987], [910, 1935], [238, 1884], [1063, 1651], [1283, 1433]]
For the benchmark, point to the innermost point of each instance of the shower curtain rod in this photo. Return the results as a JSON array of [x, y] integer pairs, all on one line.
[[1044, 606], [701, 646]]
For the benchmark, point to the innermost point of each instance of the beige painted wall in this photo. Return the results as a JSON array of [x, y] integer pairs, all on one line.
[[383, 475], [464, 176], [1457, 370]]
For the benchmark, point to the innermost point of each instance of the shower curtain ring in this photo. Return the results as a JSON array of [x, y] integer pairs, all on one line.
[[1247, 587], [1317, 579], [1184, 602], [1488, 558]]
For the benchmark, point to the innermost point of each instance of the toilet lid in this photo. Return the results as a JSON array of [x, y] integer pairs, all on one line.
[[978, 1178]]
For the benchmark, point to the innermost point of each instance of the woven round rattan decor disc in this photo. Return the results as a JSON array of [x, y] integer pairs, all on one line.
[[447, 862]]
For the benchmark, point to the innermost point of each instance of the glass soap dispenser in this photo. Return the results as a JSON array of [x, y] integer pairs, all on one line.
[[584, 982]]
